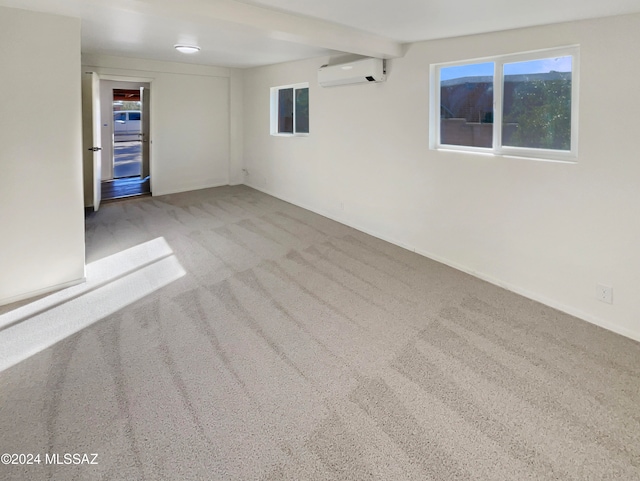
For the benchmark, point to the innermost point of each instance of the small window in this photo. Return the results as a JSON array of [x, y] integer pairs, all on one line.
[[121, 116], [290, 110], [134, 115], [520, 105]]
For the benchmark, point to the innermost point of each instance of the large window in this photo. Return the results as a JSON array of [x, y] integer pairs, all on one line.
[[520, 105], [290, 110]]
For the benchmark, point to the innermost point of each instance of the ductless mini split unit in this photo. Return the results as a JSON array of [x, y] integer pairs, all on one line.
[[360, 71]]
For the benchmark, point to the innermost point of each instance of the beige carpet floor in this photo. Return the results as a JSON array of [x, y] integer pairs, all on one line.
[[296, 348]]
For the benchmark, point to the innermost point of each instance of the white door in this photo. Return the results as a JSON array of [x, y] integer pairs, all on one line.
[[92, 139], [145, 130], [97, 140]]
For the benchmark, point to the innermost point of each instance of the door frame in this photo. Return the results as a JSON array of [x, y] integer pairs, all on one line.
[[107, 92], [91, 139]]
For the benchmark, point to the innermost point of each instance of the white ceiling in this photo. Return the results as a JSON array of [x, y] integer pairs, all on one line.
[[261, 32], [415, 20]]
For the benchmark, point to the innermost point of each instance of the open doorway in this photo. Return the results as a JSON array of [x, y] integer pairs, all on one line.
[[127, 134], [126, 172]]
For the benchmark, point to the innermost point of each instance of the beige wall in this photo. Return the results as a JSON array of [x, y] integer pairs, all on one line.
[[195, 124], [550, 231], [41, 198]]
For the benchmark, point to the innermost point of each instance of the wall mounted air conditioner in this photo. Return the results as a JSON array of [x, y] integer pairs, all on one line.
[[360, 71]]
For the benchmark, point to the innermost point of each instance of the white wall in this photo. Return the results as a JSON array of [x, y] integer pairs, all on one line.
[[195, 144], [41, 194], [548, 230]]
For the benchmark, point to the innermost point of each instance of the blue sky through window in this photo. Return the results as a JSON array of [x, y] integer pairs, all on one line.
[[559, 64], [471, 70]]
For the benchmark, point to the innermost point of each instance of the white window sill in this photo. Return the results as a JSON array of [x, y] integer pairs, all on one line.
[[289, 135], [561, 159]]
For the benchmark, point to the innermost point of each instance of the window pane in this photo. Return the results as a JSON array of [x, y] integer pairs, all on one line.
[[285, 111], [537, 104], [466, 105], [302, 110], [134, 115]]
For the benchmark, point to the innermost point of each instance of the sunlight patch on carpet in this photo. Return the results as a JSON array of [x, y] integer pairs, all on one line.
[[112, 283]]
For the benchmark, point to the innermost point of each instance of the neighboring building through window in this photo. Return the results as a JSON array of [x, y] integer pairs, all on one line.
[[521, 105], [290, 110]]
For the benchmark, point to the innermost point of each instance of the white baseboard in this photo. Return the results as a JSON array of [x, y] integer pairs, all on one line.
[[535, 297], [505, 285], [39, 292]]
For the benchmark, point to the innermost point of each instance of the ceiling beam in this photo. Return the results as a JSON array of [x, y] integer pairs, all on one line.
[[276, 24]]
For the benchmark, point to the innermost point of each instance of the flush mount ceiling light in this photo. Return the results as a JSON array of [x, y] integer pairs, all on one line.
[[187, 48]]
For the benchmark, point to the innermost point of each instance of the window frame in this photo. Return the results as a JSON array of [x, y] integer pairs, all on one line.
[[498, 81], [274, 110]]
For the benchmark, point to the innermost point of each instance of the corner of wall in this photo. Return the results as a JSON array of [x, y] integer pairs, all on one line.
[[236, 130]]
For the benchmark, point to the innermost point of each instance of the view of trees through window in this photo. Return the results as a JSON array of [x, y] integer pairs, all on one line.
[[536, 104]]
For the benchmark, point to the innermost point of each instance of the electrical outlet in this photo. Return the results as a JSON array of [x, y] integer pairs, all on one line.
[[604, 293]]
